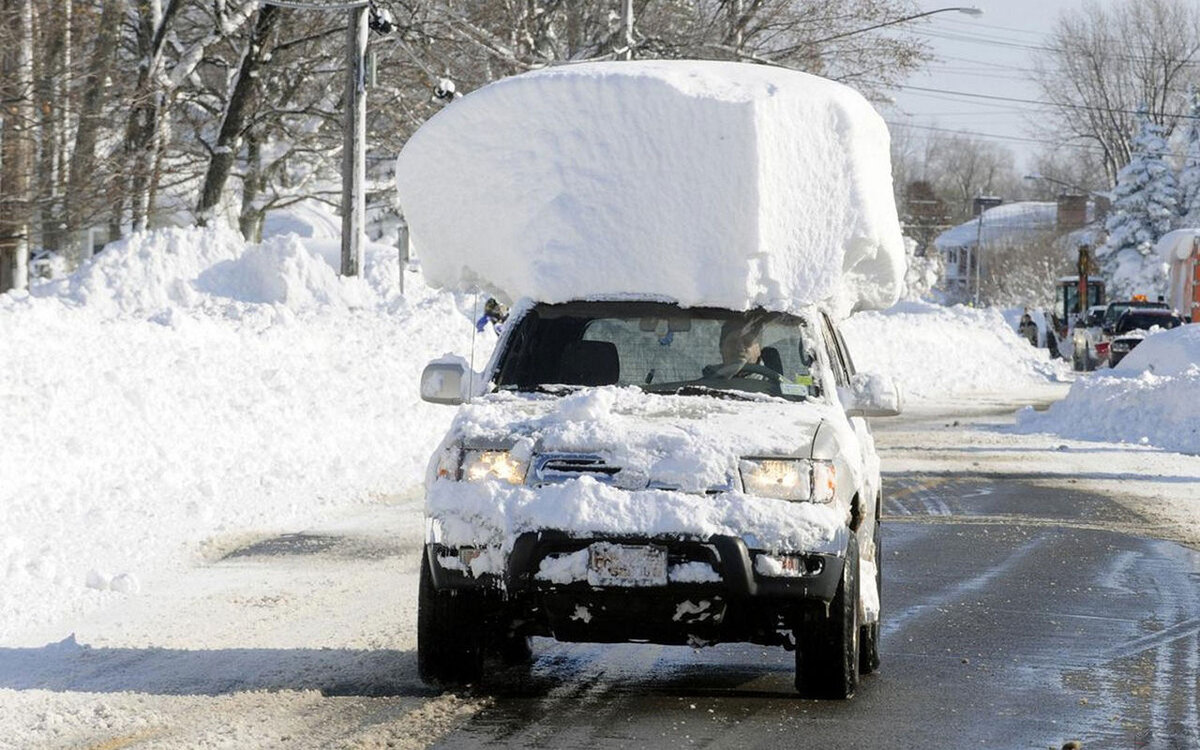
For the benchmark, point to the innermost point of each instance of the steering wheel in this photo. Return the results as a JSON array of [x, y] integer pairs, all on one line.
[[757, 369]]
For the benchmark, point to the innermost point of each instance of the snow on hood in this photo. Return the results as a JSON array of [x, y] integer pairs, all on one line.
[[689, 442], [494, 515], [710, 183]]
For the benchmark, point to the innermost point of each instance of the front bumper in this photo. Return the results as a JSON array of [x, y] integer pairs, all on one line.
[[738, 605], [729, 556]]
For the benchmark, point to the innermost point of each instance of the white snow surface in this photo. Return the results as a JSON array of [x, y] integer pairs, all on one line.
[[710, 183], [934, 351], [1151, 398], [492, 514], [184, 386]]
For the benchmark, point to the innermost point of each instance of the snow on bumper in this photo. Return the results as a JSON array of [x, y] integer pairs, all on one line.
[[491, 516]]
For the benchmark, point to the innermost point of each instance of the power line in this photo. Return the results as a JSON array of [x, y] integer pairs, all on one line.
[[998, 42], [996, 136], [981, 25], [1038, 102]]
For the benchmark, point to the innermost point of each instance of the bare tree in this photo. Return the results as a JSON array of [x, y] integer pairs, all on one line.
[[224, 149], [84, 201], [1022, 268], [1106, 61], [16, 142]]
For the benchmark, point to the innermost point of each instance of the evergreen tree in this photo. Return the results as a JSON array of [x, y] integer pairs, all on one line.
[[1145, 205], [1189, 174]]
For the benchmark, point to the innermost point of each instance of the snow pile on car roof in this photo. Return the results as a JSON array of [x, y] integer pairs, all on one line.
[[710, 183], [1151, 397]]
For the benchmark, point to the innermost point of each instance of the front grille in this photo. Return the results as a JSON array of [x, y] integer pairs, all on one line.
[[560, 467], [551, 468]]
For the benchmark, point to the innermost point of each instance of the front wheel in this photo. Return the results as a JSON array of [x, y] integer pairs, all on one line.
[[450, 643], [827, 648]]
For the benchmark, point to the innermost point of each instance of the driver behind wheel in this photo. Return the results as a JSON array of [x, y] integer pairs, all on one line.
[[740, 343], [741, 348]]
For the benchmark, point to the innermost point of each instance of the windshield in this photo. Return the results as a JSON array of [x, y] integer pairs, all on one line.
[[660, 348], [1134, 320]]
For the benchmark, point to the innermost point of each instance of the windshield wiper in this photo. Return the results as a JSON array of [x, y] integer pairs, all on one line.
[[704, 390], [556, 389]]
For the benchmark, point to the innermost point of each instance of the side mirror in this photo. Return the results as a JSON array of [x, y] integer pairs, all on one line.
[[871, 395], [444, 382]]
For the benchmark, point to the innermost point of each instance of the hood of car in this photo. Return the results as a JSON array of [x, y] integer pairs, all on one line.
[[690, 443]]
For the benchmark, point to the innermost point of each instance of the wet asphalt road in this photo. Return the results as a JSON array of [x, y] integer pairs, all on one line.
[[1014, 617]]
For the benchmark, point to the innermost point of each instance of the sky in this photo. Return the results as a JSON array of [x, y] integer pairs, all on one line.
[[977, 57]]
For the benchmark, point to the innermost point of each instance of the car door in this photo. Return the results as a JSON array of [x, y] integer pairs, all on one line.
[[843, 370]]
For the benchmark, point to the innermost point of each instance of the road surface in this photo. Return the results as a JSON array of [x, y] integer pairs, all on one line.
[[1024, 607]]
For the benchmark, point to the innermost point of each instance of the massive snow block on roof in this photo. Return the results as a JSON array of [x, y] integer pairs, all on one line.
[[711, 183]]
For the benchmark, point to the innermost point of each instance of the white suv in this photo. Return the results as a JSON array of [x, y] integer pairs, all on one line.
[[635, 471]]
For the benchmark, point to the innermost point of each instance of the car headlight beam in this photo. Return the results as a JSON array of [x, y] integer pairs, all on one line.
[[794, 479], [499, 465]]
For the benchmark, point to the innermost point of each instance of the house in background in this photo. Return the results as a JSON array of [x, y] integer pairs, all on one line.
[[1011, 253]]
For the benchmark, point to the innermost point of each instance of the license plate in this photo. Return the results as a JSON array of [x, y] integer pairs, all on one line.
[[626, 565]]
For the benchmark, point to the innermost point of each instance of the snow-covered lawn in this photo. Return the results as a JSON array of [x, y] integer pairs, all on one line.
[[184, 388]]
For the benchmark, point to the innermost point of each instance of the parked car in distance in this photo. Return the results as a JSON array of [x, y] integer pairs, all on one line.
[[1134, 325], [1116, 309]]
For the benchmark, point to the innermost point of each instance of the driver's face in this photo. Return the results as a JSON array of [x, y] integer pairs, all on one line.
[[736, 349]]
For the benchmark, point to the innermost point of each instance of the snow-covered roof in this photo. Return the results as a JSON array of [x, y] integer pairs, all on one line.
[[1176, 244], [711, 183], [1002, 223]]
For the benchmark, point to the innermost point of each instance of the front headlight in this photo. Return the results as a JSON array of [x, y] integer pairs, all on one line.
[[478, 466], [789, 479]]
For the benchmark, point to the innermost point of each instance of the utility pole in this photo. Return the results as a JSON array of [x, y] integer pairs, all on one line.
[[978, 255], [16, 146], [626, 30], [362, 15], [354, 145]]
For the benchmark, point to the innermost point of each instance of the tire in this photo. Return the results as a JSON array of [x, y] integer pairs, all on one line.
[[450, 641], [827, 648], [868, 635]]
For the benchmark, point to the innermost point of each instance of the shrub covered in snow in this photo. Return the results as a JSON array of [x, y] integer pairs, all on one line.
[[1145, 205]]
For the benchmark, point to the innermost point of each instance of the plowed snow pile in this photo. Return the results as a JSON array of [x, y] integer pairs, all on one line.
[[1152, 397], [935, 351], [183, 386], [710, 183]]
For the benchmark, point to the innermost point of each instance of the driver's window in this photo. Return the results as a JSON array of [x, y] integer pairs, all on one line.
[[783, 350], [835, 355]]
